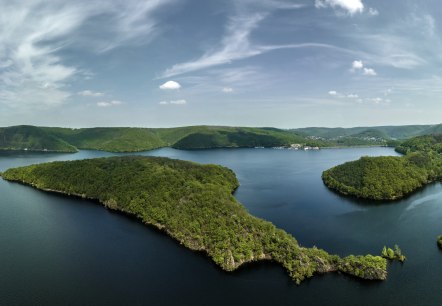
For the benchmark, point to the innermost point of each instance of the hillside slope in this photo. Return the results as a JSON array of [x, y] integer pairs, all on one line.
[[387, 132], [388, 177], [33, 139]]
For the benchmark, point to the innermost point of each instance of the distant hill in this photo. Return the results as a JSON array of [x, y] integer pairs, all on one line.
[[32, 138], [372, 133], [110, 139], [388, 132], [141, 139], [422, 143], [238, 137], [125, 139]]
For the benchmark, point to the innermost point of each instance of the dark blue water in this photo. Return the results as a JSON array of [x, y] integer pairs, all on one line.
[[59, 250]]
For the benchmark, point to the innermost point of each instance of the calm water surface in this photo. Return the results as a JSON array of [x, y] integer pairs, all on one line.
[[58, 250]]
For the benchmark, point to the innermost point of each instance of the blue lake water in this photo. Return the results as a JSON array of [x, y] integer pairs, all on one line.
[[60, 250]]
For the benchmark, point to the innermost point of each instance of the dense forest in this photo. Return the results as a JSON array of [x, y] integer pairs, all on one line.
[[385, 132], [121, 139], [33, 139], [142, 139], [425, 143], [388, 177], [194, 204]]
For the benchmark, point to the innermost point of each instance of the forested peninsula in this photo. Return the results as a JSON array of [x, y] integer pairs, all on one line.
[[388, 177], [195, 205]]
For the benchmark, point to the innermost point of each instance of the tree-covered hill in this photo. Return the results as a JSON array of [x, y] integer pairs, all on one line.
[[194, 204], [110, 139], [388, 132], [32, 138], [124, 139], [141, 139], [378, 178], [238, 137], [422, 143], [390, 178]]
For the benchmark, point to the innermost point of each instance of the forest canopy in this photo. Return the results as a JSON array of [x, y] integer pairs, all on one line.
[[390, 177], [194, 204]]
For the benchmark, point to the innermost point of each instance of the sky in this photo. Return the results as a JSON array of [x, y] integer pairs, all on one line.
[[163, 63]]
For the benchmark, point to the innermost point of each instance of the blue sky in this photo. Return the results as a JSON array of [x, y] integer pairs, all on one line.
[[160, 63]]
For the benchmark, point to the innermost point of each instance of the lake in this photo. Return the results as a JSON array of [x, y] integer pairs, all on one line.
[[60, 250]]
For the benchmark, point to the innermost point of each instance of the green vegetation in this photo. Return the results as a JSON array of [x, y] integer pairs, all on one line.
[[387, 177], [426, 143], [238, 137], [109, 139], [121, 139], [377, 178], [194, 204], [142, 139], [439, 241], [31, 138], [395, 254], [385, 132]]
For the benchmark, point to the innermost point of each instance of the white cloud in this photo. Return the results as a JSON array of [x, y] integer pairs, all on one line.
[[369, 72], [373, 12], [174, 102], [357, 65], [377, 100], [336, 94], [109, 103], [170, 85], [351, 6], [227, 89], [178, 102], [90, 93]]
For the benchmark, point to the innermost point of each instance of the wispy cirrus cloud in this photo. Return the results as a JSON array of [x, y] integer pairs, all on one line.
[[33, 34], [236, 45]]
